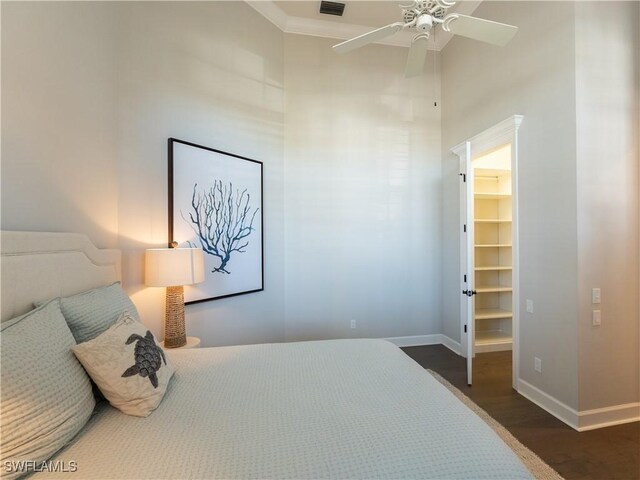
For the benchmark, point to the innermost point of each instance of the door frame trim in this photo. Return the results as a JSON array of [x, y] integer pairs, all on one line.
[[498, 135]]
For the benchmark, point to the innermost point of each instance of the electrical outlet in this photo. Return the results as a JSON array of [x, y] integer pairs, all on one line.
[[595, 296], [597, 318], [353, 324], [537, 364], [529, 306]]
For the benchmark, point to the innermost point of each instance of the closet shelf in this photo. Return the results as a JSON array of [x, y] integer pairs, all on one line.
[[488, 289], [492, 268], [493, 247], [491, 196], [491, 220], [488, 313], [491, 173], [484, 337]]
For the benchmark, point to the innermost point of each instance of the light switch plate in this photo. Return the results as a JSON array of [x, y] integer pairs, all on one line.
[[597, 318], [595, 296], [529, 306]]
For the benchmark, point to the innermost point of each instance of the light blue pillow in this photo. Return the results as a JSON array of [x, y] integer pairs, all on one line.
[[46, 395], [90, 313]]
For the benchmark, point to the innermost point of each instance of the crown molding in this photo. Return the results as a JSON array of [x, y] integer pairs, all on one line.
[[345, 31]]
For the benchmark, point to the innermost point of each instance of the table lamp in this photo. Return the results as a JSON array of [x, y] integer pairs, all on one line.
[[173, 268]]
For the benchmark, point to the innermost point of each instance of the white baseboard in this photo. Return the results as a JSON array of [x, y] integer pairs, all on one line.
[[580, 420], [552, 405], [451, 344], [608, 416], [418, 340]]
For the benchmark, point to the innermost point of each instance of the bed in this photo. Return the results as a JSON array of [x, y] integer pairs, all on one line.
[[324, 409]]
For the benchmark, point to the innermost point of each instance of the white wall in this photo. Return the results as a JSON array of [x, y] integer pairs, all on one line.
[[482, 85], [362, 197], [607, 92], [91, 92], [59, 158], [190, 71]]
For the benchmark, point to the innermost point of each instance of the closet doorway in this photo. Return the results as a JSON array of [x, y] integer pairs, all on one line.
[[489, 297]]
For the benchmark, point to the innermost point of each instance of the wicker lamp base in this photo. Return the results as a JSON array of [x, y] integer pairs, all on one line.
[[174, 332]]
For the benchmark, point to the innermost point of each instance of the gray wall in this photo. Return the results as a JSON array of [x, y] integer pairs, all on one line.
[[362, 209], [59, 156], [607, 92], [482, 85]]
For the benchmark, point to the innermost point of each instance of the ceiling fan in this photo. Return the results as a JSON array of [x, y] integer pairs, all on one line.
[[424, 15]]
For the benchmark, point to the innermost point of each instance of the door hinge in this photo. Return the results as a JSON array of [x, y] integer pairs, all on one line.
[[465, 329], [464, 177], [469, 293], [464, 228], [465, 278]]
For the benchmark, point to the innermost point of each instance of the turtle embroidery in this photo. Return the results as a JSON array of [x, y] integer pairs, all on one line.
[[147, 357]]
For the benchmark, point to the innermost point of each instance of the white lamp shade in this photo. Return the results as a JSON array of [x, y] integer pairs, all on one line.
[[171, 267]]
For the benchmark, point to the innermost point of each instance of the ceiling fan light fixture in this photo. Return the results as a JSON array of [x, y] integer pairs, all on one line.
[[424, 23]]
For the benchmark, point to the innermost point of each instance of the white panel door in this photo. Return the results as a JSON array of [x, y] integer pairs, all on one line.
[[467, 249]]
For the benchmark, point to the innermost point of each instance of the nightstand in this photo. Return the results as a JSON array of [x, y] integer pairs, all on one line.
[[192, 342]]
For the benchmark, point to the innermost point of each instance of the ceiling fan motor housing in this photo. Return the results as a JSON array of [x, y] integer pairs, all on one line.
[[424, 23]]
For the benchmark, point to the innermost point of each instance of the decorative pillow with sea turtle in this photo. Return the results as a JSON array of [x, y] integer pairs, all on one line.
[[128, 365]]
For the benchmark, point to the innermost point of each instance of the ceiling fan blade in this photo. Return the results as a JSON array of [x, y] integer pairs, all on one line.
[[368, 38], [417, 56], [488, 31]]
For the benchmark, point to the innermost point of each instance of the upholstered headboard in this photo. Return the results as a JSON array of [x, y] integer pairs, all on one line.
[[38, 266]]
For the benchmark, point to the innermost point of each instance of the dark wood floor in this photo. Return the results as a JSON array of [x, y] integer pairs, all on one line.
[[607, 453]]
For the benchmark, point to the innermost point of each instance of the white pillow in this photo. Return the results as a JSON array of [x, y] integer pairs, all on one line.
[[128, 366], [46, 396], [90, 313]]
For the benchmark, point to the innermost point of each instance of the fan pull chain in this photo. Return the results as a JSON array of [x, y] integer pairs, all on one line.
[[435, 59]]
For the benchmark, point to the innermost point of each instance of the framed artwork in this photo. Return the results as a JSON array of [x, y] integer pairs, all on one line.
[[215, 203]]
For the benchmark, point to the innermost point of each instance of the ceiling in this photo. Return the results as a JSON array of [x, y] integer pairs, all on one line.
[[360, 16]]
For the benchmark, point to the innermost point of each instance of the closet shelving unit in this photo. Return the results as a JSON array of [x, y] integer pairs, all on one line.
[[493, 259]]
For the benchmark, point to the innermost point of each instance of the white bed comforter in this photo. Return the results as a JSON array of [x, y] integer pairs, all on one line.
[[330, 409]]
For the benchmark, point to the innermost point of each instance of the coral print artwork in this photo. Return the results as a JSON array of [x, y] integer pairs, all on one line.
[[215, 203]]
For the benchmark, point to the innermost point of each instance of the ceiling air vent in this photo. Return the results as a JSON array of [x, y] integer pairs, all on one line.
[[332, 8]]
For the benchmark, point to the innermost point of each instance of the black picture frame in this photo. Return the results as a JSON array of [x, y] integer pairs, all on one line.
[[185, 160]]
